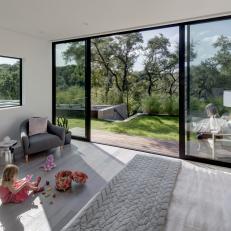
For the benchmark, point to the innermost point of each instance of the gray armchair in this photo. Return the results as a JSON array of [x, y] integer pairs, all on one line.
[[54, 137]]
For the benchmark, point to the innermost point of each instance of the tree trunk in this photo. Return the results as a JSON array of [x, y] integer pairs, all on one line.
[[128, 113]]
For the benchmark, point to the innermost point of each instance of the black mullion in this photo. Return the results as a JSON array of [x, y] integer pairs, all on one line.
[[20, 63], [182, 91], [53, 83], [88, 89], [188, 82]]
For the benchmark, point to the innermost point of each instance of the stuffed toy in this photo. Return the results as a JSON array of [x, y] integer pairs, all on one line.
[[63, 180], [49, 163], [79, 177]]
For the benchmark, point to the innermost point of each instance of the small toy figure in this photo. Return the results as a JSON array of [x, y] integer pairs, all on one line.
[[79, 177], [29, 177], [63, 180], [49, 163]]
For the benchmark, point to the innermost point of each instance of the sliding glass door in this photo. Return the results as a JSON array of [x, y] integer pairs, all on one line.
[[70, 86], [208, 90], [134, 90]]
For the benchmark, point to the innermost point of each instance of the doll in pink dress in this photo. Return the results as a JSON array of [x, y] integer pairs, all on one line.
[[13, 190]]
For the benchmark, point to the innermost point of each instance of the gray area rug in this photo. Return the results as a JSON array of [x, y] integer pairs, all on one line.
[[33, 216], [136, 199]]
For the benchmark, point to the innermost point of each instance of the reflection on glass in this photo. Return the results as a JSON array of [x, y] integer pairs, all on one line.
[[209, 81], [9, 82], [70, 85]]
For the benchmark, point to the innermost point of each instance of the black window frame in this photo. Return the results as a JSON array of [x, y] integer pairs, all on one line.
[[182, 77], [87, 86], [20, 81]]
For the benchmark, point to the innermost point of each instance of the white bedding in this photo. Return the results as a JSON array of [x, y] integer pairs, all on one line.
[[201, 200]]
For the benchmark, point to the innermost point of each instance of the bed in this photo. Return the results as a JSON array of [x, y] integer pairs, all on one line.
[[192, 198]]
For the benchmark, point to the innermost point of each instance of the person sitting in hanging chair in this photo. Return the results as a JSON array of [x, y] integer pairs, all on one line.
[[213, 123]]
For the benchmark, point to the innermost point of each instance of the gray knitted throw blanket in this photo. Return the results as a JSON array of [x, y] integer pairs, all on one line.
[[137, 199]]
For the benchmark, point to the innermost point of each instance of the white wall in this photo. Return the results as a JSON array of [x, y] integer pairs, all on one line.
[[37, 80]]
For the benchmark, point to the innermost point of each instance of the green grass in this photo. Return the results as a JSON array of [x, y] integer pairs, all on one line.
[[159, 127]]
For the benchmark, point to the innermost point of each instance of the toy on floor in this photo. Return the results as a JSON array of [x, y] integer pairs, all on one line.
[[79, 177], [48, 194], [64, 179], [29, 177], [49, 163]]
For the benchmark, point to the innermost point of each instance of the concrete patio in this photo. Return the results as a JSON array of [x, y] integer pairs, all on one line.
[[170, 148]]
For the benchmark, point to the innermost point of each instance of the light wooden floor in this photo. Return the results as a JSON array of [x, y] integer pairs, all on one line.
[[32, 215], [100, 162]]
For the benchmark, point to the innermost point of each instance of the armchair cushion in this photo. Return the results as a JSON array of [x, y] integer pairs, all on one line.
[[37, 125], [39, 141]]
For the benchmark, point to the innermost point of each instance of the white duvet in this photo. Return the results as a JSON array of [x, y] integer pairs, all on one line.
[[201, 200]]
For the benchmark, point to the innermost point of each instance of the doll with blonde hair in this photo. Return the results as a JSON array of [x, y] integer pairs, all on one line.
[[14, 190]]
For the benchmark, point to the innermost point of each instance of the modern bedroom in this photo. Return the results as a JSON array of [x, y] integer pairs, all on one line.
[[115, 115]]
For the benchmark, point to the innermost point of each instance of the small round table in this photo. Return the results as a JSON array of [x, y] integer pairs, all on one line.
[[7, 148]]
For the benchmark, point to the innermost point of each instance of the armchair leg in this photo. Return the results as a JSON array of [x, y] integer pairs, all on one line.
[[27, 158]]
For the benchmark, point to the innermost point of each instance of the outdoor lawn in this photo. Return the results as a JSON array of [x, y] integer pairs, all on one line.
[[157, 127]]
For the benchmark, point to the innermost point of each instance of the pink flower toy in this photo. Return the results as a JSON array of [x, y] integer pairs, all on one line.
[[49, 163]]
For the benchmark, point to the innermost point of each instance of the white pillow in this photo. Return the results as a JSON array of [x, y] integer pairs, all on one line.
[[37, 125]]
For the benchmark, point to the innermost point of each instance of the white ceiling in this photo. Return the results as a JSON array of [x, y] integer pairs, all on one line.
[[62, 19]]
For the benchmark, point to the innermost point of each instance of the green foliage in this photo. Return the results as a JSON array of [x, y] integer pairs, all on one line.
[[160, 66], [153, 89], [71, 95], [160, 104], [113, 78], [197, 104], [70, 75], [204, 79], [156, 127], [151, 105], [223, 55], [63, 122], [75, 53], [9, 81], [170, 105]]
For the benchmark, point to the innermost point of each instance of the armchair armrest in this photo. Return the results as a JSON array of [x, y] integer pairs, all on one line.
[[24, 137], [56, 130]]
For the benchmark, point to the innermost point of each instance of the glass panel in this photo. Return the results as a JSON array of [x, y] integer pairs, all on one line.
[[70, 86], [134, 90], [208, 95], [10, 82]]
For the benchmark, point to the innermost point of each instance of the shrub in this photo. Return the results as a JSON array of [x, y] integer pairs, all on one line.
[[197, 104], [170, 105], [72, 95], [161, 104], [151, 105]]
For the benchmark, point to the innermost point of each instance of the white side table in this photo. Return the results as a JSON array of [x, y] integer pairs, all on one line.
[[6, 149]]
